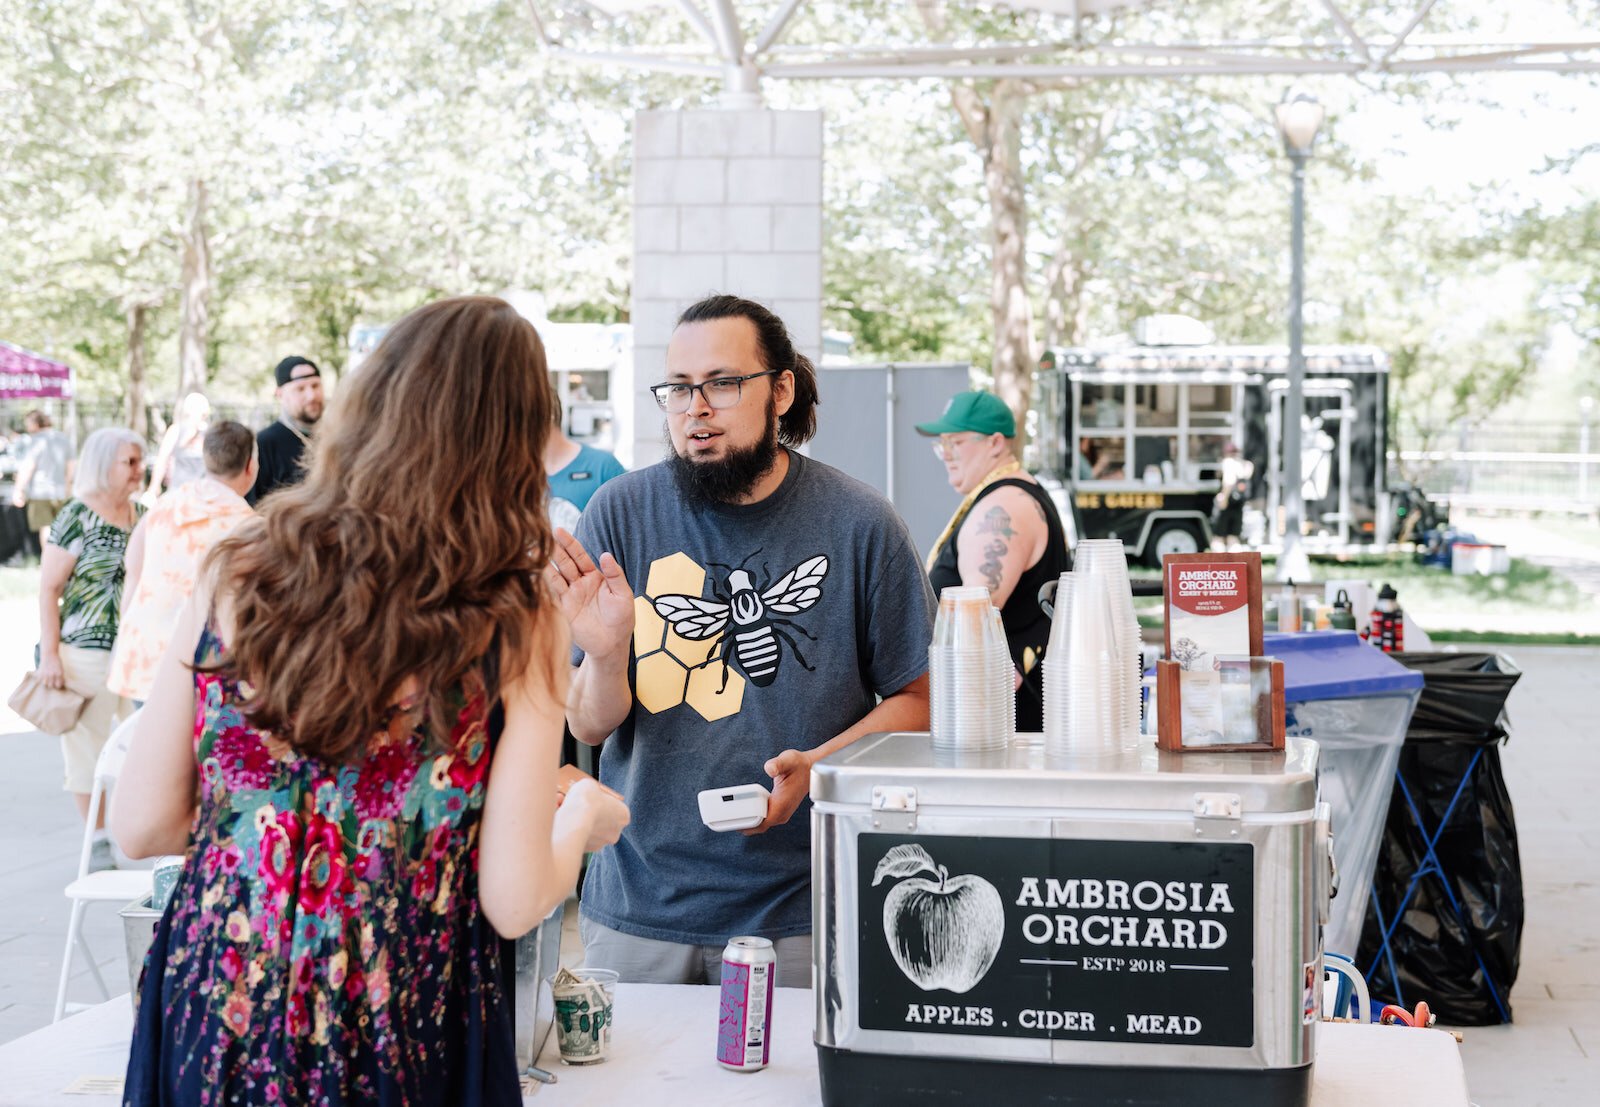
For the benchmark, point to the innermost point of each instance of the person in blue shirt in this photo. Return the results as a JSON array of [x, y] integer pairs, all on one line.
[[575, 472]]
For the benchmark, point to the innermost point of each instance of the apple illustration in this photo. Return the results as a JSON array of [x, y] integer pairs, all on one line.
[[942, 933]]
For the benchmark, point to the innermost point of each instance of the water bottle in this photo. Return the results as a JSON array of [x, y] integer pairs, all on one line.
[[1343, 615], [1388, 621]]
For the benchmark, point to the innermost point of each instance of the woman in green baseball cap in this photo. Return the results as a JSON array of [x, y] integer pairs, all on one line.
[[1005, 535]]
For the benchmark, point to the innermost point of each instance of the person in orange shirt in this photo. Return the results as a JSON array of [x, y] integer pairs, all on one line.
[[166, 550]]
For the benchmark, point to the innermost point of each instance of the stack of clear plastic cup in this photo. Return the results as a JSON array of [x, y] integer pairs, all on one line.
[[1106, 558], [1057, 666], [972, 700], [1081, 713]]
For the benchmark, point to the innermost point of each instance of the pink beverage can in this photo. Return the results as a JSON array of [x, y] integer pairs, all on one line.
[[745, 1020]]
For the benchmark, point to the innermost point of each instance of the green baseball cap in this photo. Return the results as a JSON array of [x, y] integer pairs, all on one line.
[[980, 412]]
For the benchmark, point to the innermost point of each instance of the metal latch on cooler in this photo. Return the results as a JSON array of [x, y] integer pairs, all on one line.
[[1217, 814], [894, 807]]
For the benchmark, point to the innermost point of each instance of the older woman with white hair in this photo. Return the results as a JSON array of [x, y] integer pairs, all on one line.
[[80, 597]]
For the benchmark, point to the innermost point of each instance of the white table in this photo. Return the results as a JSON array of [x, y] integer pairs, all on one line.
[[664, 1054], [675, 1062], [36, 1068]]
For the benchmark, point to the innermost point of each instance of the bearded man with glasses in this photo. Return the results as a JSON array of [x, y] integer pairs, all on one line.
[[738, 612]]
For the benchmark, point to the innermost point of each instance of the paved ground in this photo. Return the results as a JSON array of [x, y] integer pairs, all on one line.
[[40, 836], [1552, 1051], [1548, 1056]]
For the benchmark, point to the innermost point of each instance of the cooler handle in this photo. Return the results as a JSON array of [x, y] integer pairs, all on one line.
[[1327, 873]]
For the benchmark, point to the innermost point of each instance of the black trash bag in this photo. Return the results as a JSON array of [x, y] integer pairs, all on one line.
[[1458, 940], [1463, 696]]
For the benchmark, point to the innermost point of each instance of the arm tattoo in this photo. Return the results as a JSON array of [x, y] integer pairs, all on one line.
[[996, 521], [992, 555]]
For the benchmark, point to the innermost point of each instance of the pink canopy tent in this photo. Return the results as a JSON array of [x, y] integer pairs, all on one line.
[[27, 376]]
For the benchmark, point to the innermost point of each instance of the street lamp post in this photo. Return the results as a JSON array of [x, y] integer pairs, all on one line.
[[1299, 117]]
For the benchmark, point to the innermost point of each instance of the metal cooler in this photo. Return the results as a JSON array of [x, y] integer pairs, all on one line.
[[1143, 930]]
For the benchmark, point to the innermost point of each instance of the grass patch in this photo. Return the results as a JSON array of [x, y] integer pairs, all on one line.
[[1533, 605], [1508, 638], [1526, 587], [1152, 621]]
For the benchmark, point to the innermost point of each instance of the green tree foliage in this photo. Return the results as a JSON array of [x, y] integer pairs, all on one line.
[[358, 159], [1564, 248], [1137, 197], [905, 268]]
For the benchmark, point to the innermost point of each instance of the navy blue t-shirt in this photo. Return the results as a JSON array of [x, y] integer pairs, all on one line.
[[842, 592]]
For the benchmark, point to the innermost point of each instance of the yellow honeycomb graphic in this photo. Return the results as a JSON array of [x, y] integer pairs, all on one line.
[[675, 574], [693, 653], [648, 627], [671, 669], [662, 680], [704, 697]]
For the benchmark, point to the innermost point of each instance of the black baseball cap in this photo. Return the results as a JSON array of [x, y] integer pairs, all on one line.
[[285, 372]]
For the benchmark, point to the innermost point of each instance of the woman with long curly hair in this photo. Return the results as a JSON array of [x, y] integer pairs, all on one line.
[[353, 740]]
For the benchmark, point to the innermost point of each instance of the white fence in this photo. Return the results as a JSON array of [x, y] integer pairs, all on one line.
[[1527, 467]]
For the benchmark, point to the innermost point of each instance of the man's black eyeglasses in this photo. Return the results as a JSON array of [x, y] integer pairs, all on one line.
[[720, 392]]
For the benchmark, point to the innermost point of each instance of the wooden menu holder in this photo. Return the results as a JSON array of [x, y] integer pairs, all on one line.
[[1269, 708], [1169, 715]]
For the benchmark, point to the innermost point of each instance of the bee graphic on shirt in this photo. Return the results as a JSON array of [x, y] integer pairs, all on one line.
[[752, 642]]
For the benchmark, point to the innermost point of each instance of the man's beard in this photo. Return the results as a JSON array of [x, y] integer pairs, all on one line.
[[304, 417], [733, 476]]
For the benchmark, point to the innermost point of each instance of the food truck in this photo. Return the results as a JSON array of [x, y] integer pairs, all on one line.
[[1134, 435]]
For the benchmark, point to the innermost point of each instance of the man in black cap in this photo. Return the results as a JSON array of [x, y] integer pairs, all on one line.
[[281, 446]]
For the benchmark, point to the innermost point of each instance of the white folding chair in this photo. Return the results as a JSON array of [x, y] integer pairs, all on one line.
[[119, 886]]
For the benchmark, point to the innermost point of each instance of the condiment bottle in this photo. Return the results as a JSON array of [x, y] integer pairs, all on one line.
[[1288, 608]]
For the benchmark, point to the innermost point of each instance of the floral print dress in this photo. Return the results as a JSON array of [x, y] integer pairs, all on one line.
[[324, 943]]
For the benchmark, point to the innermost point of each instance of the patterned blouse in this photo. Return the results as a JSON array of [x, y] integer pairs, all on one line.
[[90, 604], [324, 943], [179, 532]]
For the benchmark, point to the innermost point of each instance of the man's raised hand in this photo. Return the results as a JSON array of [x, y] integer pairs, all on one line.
[[596, 599]]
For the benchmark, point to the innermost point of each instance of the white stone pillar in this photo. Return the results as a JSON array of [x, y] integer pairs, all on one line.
[[724, 201]]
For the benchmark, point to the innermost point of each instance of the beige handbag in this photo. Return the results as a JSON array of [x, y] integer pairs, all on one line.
[[52, 710]]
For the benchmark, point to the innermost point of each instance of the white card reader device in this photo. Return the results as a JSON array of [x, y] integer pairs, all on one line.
[[738, 808]]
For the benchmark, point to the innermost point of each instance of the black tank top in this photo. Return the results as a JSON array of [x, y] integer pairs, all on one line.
[[1027, 626]]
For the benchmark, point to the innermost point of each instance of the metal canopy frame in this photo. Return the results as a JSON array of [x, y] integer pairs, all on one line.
[[719, 48]]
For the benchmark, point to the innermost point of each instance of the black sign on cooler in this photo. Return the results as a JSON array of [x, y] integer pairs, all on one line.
[[1058, 938]]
